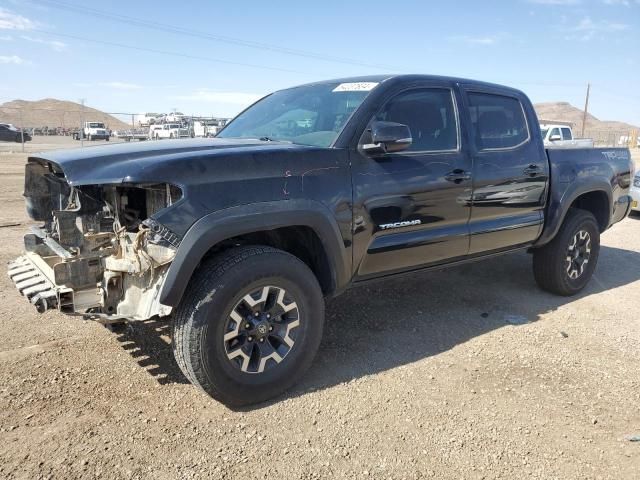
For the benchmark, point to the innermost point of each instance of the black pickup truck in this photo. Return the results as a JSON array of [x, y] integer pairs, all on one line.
[[309, 191]]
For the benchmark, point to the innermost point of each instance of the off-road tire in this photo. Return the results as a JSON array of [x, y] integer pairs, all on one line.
[[213, 292], [550, 261]]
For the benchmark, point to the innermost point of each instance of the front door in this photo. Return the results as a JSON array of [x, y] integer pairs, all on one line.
[[411, 208]]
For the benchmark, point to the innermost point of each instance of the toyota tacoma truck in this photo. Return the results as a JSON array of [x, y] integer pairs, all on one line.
[[311, 190]]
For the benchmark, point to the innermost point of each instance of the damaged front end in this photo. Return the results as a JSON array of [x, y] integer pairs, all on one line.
[[99, 252]]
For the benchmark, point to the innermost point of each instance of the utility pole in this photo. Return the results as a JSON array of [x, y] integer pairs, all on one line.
[[586, 107], [82, 123]]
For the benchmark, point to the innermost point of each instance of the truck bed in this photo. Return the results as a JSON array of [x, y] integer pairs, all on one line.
[[575, 171]]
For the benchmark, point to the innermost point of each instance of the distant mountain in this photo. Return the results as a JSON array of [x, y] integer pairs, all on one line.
[[565, 112], [50, 112]]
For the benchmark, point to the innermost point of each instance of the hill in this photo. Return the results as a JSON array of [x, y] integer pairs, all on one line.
[[565, 112], [54, 113], [60, 113]]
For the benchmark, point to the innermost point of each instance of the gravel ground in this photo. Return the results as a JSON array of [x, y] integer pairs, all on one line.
[[467, 373]]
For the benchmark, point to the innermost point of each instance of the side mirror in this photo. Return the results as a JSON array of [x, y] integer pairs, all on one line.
[[388, 137], [555, 138]]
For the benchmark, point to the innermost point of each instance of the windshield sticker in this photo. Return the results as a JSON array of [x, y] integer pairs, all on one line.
[[355, 87]]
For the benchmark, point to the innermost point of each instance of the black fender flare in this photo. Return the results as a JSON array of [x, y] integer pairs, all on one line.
[[231, 222], [560, 203]]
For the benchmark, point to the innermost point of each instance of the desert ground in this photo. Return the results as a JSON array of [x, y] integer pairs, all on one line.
[[472, 372]]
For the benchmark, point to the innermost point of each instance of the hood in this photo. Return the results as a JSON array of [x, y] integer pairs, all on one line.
[[161, 161]]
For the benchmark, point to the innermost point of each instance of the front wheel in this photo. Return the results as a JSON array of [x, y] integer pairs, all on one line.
[[566, 264], [249, 325]]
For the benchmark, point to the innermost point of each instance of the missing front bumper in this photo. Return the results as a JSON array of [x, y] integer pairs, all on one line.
[[33, 278]]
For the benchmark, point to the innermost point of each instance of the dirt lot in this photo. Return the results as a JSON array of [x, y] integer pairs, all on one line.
[[468, 373]]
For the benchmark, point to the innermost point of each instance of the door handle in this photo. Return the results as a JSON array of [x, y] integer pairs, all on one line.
[[457, 176], [532, 170]]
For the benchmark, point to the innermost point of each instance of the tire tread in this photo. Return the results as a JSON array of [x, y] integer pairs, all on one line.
[[546, 260], [188, 328]]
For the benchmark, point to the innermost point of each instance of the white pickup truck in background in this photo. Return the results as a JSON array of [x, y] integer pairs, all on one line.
[[93, 131], [561, 136], [168, 130]]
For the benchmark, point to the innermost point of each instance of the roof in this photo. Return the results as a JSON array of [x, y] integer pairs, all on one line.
[[409, 77]]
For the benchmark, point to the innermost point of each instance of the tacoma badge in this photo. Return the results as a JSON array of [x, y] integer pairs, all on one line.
[[387, 226]]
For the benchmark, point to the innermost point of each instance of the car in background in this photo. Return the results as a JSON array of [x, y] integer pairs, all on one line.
[[170, 130], [145, 119], [627, 140], [174, 117], [10, 133], [93, 131], [205, 128], [152, 131], [635, 193]]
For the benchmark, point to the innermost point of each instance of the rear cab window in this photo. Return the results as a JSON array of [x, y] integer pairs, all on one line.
[[566, 134], [497, 121]]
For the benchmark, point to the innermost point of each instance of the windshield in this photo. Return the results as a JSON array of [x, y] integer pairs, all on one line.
[[96, 125], [543, 132], [308, 115]]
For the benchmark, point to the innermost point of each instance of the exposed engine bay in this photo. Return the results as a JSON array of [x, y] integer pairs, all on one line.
[[98, 253]]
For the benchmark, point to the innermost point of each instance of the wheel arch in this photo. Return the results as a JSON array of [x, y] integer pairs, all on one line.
[[598, 203], [304, 228], [594, 196]]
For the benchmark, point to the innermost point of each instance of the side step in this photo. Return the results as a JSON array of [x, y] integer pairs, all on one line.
[[33, 284]]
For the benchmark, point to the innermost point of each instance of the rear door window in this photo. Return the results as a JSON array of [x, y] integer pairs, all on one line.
[[566, 134], [498, 121]]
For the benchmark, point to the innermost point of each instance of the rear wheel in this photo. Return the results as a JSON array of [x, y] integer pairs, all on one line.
[[249, 325], [566, 264]]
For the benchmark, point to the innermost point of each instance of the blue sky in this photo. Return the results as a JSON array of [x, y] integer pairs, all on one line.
[[207, 57]]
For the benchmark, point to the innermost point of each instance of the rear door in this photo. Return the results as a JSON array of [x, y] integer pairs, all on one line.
[[510, 170]]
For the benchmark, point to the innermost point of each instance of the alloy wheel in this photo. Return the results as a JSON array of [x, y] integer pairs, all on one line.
[[261, 329], [578, 254]]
